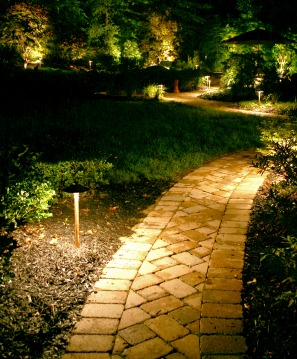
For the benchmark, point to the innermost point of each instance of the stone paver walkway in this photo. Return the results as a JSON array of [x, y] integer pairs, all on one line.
[[193, 98], [173, 290]]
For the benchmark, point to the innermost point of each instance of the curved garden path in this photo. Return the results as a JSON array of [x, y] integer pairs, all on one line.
[[173, 289], [192, 98]]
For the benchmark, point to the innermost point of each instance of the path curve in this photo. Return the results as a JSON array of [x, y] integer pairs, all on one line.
[[173, 289], [193, 98]]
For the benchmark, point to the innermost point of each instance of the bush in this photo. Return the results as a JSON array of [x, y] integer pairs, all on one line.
[[25, 195], [88, 173], [239, 75], [270, 272], [244, 74], [26, 201], [283, 261], [280, 153], [153, 91], [28, 187]]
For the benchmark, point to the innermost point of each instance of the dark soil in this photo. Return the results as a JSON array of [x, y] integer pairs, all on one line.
[[45, 279]]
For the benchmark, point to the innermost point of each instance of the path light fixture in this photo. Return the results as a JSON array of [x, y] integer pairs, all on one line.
[[161, 90], [259, 96], [76, 189], [207, 79]]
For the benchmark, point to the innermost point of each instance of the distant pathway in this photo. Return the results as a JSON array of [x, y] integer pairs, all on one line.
[[173, 290], [193, 98]]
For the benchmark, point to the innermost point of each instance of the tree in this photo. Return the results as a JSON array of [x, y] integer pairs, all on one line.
[[279, 15], [161, 41], [26, 27], [70, 22], [114, 28]]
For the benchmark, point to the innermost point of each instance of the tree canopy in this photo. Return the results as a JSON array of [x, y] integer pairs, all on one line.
[[138, 32]]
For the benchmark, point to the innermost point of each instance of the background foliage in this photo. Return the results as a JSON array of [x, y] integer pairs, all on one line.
[[78, 31]]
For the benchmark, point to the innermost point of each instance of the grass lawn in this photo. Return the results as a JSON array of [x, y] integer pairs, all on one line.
[[151, 140]]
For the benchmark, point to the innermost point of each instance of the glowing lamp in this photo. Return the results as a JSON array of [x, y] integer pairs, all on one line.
[[207, 79], [259, 96]]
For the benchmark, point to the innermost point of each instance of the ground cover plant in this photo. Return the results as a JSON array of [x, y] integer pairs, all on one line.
[[270, 273], [146, 146]]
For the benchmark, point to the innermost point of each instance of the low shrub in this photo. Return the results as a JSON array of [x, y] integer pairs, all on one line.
[[29, 187], [270, 276], [26, 201], [283, 261], [270, 270], [88, 173], [280, 153], [154, 91], [25, 195]]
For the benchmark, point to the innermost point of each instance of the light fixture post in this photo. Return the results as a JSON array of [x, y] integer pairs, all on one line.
[[259, 97], [76, 219], [207, 79], [76, 189]]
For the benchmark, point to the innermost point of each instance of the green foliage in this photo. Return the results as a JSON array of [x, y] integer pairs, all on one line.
[[280, 153], [279, 157], [192, 63], [26, 27], [247, 71], [26, 201], [112, 31], [188, 79], [239, 75], [281, 160], [161, 40], [70, 50], [271, 248], [283, 261], [28, 186], [270, 274], [153, 91], [88, 173], [278, 214], [25, 195], [131, 51]]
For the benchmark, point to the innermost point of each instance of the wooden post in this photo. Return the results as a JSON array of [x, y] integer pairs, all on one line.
[[76, 219]]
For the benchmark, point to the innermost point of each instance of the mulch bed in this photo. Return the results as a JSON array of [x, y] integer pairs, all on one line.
[[45, 279]]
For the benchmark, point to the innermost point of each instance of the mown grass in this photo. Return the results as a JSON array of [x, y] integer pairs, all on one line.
[[142, 139]]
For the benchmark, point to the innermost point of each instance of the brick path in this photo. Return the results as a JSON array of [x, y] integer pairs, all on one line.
[[173, 290]]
